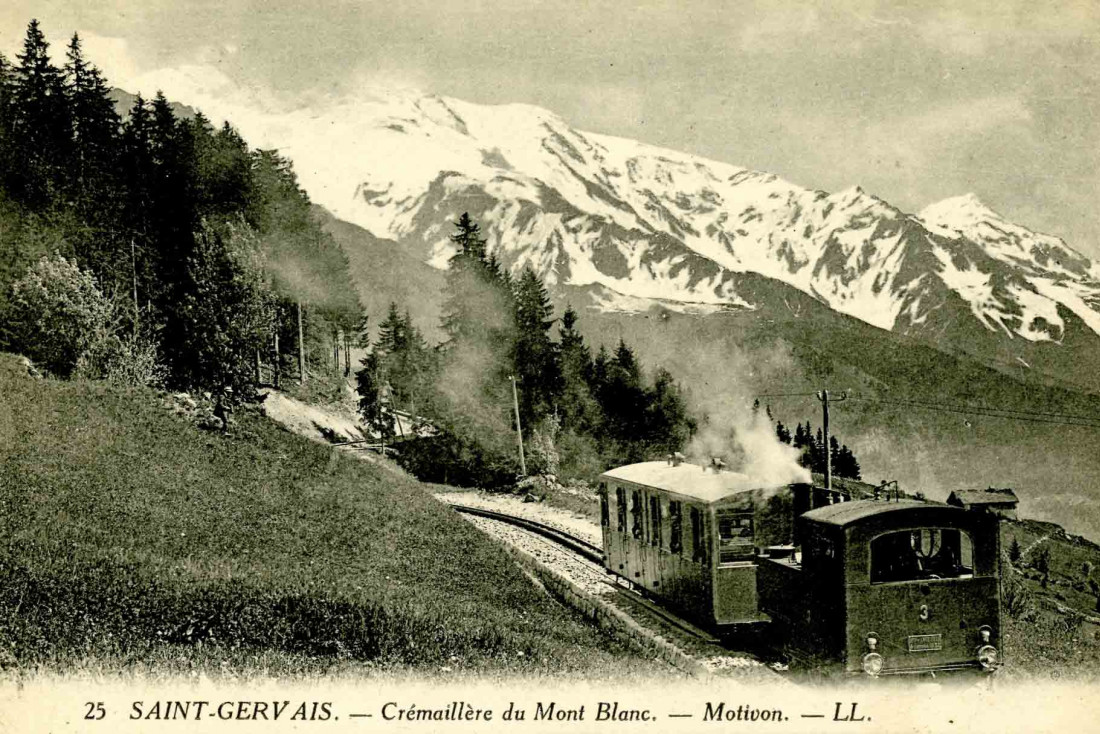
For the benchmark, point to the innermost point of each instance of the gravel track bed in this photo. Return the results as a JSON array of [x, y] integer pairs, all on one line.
[[593, 579], [589, 576]]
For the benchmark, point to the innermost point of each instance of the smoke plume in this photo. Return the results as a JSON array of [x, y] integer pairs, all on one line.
[[728, 427]]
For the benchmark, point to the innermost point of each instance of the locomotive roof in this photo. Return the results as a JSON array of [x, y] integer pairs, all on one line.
[[689, 480], [849, 513]]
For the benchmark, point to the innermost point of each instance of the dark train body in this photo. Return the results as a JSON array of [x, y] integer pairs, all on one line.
[[868, 585]]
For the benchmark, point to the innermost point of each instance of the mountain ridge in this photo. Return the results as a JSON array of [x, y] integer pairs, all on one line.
[[620, 206]]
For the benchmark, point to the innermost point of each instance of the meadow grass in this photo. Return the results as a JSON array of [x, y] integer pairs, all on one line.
[[131, 540]]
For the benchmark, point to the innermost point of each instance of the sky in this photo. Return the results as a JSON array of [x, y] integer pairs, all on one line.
[[915, 102]]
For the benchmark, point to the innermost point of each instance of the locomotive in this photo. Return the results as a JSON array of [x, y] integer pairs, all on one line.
[[851, 580]]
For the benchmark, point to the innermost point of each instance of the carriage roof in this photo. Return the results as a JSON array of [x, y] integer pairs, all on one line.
[[690, 480], [851, 513]]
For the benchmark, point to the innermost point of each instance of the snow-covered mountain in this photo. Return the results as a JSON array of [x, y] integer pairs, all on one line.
[[646, 222], [642, 224]]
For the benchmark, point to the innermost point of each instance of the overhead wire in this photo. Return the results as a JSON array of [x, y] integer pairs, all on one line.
[[985, 411]]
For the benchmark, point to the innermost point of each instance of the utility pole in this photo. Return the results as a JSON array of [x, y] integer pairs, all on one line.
[[519, 429], [301, 349], [276, 368], [823, 396]]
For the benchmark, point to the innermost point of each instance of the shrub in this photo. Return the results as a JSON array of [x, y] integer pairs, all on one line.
[[60, 314], [125, 361], [1015, 598]]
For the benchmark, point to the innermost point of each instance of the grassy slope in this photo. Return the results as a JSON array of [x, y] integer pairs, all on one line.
[[1041, 637], [133, 540]]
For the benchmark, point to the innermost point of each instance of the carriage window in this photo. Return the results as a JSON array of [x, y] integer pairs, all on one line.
[[655, 521], [676, 530], [605, 511], [636, 513], [919, 555], [698, 545], [620, 508], [735, 536]]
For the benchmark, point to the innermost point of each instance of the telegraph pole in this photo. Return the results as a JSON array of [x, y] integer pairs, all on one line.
[[301, 349], [823, 396], [276, 366], [519, 429]]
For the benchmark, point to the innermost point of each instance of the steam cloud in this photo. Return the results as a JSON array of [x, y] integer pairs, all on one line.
[[728, 429]]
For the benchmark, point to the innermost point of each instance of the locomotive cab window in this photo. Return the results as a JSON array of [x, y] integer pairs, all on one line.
[[735, 536], [921, 555]]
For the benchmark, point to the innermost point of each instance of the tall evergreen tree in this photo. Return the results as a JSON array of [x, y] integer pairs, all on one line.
[[579, 411], [93, 178], [41, 124], [95, 125], [536, 357], [668, 423]]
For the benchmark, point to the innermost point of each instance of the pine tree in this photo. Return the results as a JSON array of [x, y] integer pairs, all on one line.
[[468, 240], [1014, 551], [95, 125], [624, 402], [93, 180], [535, 357], [800, 436], [782, 433], [373, 403], [42, 128], [476, 362], [479, 307], [579, 410], [845, 464], [668, 425]]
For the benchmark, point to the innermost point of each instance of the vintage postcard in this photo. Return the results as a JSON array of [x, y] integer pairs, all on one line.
[[549, 366]]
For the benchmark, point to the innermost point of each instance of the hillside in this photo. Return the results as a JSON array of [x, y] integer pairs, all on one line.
[[137, 542], [1051, 627]]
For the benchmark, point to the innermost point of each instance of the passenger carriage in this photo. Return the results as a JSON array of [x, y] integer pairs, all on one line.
[[688, 536]]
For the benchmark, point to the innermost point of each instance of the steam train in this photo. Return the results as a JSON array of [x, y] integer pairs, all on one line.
[[851, 580]]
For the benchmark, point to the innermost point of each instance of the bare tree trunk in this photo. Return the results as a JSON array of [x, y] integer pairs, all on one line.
[[133, 274]]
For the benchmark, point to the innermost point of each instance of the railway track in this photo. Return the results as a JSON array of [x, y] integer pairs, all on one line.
[[581, 547], [594, 569]]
